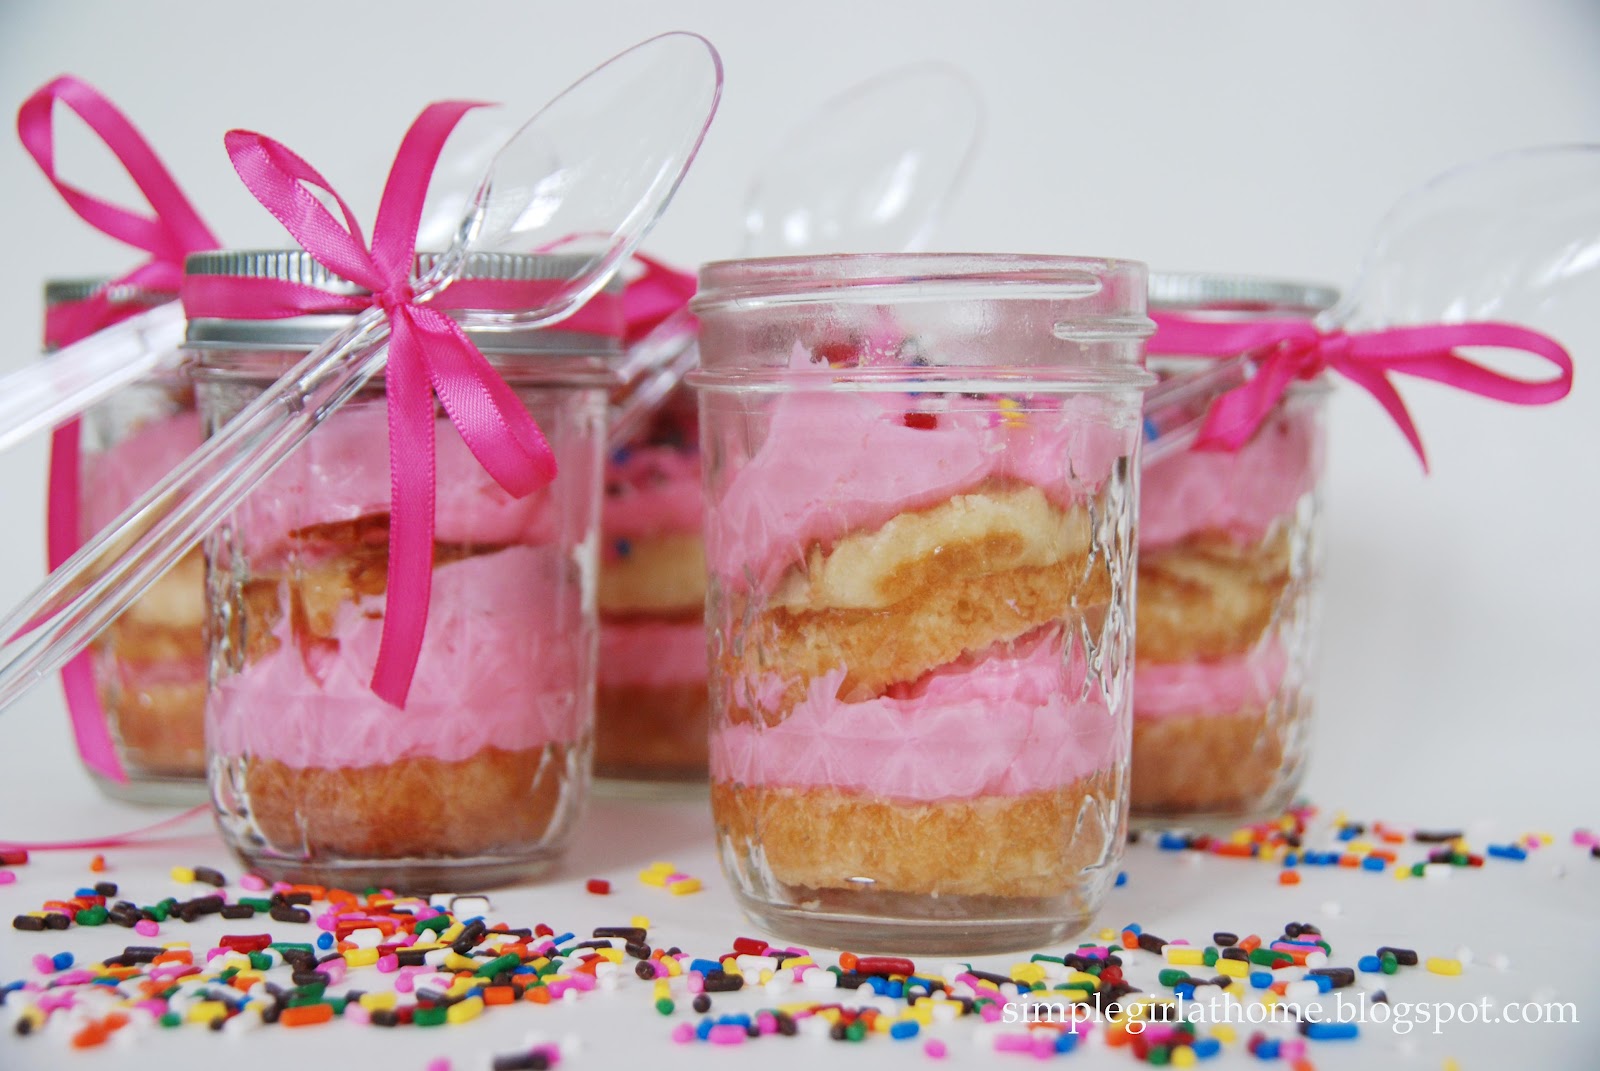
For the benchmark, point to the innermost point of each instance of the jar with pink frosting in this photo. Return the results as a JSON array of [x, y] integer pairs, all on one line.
[[651, 708], [478, 779], [1229, 571], [921, 479], [144, 677]]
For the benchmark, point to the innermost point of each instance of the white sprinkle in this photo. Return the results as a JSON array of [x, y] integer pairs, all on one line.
[[1464, 954], [1316, 959], [1500, 961], [465, 907], [1332, 909]]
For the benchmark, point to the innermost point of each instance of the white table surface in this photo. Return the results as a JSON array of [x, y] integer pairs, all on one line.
[[1541, 914]]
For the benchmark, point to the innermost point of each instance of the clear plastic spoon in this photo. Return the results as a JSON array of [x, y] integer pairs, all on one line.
[[602, 159], [870, 171], [1510, 236]]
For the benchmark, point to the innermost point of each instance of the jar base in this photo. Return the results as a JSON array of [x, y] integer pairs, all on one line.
[[411, 876], [150, 791], [954, 936], [622, 787]]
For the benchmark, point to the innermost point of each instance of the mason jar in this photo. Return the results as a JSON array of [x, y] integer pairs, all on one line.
[[144, 677], [1229, 577], [479, 778], [921, 478], [652, 711]]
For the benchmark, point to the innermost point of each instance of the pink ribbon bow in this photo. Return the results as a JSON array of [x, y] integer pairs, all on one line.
[[1286, 350], [169, 234], [429, 355]]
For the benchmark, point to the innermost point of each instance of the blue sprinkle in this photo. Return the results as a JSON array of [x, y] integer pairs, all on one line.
[[1324, 983], [1066, 1041], [903, 1030], [1133, 928], [563, 939], [1291, 859], [325, 940], [624, 548], [1122, 878], [1173, 842], [1260, 980], [704, 966], [703, 1031], [62, 960], [1150, 432], [1372, 862], [1348, 833], [85, 892], [1507, 851], [1369, 965], [878, 985], [1184, 990], [1206, 1048], [1268, 1050], [1332, 1031], [896, 990]]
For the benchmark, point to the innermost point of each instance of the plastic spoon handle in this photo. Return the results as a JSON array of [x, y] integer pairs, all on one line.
[[109, 574], [45, 393], [1175, 409]]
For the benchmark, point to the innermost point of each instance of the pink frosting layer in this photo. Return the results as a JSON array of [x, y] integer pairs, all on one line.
[[652, 653], [999, 726], [115, 477], [341, 473], [833, 463], [497, 670], [653, 490], [1208, 689], [1242, 494]]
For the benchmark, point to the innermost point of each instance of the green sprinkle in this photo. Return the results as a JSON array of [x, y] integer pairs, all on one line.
[[260, 961], [429, 1016], [1172, 976], [665, 1006], [436, 924], [495, 966], [1040, 957], [171, 1019], [308, 994], [256, 902], [1418, 869], [1266, 957], [281, 947], [1211, 956], [1388, 963], [94, 916], [158, 912], [1160, 1056], [856, 1030]]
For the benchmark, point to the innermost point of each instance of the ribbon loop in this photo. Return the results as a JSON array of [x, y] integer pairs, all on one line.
[[1286, 350]]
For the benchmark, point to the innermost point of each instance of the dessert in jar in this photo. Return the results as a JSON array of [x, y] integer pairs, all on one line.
[[921, 480], [145, 675], [479, 777], [1229, 568], [651, 707]]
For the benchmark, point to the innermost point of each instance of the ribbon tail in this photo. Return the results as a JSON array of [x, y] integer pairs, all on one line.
[[1376, 383], [411, 489], [1234, 417]]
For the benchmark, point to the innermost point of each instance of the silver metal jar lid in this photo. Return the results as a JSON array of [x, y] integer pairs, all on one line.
[[66, 291], [305, 332], [1242, 294]]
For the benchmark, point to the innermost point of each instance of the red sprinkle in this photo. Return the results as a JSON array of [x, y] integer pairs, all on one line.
[[749, 946], [598, 886], [246, 943], [885, 965], [13, 856], [921, 421]]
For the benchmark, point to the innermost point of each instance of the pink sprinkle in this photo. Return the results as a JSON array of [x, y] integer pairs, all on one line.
[[935, 1049], [991, 1013], [1582, 838], [281, 886], [44, 964], [7, 877], [1290, 1051], [1044, 1046], [696, 984], [157, 1008], [252, 882], [583, 983], [439, 1063], [425, 913], [146, 927], [388, 964], [55, 1000], [726, 1034], [327, 921], [766, 1022], [403, 982], [1011, 1042], [213, 953], [683, 1033]]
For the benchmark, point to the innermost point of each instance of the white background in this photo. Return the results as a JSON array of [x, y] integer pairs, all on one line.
[[1458, 668]]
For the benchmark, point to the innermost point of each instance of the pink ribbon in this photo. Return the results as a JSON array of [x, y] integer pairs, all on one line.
[[170, 233], [659, 293], [1288, 350], [429, 355]]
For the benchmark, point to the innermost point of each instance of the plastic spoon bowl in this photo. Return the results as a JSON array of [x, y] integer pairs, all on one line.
[[870, 171], [602, 159], [1515, 231]]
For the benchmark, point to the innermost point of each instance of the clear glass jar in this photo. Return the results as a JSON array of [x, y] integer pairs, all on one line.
[[480, 778], [921, 475], [1229, 576], [145, 675], [652, 711]]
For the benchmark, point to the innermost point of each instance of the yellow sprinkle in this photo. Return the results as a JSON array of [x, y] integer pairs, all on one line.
[[1240, 836], [829, 1015], [684, 887], [1224, 1033], [766, 975], [922, 1015], [361, 957], [661, 868], [176, 945], [461, 985], [183, 874], [612, 954], [654, 877], [457, 962], [1359, 847], [1107, 935], [1071, 994], [1451, 1064], [674, 968], [1269, 998], [378, 1001], [797, 961], [1179, 956], [1401, 873], [206, 1010], [662, 989], [1028, 973], [640, 922], [1082, 978], [464, 1011], [539, 962], [1440, 965], [1233, 968], [424, 946], [1183, 1056]]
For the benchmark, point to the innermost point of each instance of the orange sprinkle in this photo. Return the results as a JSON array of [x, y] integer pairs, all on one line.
[[1289, 877], [1130, 939], [1303, 1065], [98, 865], [1116, 1037], [115, 1021], [499, 994], [1279, 988], [538, 995], [177, 955], [306, 1015], [90, 1036], [1250, 943], [1348, 860], [847, 961]]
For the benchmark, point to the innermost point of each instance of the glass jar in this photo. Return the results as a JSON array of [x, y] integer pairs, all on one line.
[[652, 712], [921, 476], [1229, 572], [479, 778], [145, 675]]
